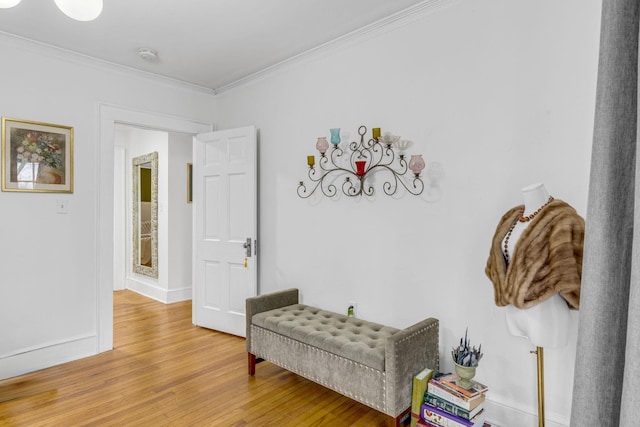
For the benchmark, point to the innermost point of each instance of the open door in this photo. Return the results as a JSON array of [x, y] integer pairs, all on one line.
[[225, 228]]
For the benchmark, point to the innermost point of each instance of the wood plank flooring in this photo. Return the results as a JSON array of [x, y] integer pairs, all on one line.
[[164, 371]]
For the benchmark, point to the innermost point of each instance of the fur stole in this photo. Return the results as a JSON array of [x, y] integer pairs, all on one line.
[[547, 258]]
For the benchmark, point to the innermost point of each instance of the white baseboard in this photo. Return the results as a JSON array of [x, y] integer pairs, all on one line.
[[503, 414], [163, 295], [177, 295], [30, 360]]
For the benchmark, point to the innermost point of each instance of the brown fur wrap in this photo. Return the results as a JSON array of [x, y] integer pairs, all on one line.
[[547, 258]]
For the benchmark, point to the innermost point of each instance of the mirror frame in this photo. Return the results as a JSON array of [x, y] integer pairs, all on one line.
[[136, 163]]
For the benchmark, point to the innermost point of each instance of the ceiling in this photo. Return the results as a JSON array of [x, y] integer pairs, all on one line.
[[208, 43]]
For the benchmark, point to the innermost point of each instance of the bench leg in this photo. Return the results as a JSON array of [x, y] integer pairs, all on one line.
[[402, 419], [252, 364]]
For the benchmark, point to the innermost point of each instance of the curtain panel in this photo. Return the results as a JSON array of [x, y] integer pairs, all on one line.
[[606, 388]]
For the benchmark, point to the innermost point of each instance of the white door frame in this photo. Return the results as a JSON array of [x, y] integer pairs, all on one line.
[[120, 255], [109, 115]]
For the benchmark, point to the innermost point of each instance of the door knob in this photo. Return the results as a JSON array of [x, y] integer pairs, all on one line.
[[247, 247]]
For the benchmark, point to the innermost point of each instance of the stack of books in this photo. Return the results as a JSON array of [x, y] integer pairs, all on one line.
[[440, 402]]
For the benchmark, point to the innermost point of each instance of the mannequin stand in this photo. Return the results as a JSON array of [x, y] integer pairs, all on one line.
[[539, 351]]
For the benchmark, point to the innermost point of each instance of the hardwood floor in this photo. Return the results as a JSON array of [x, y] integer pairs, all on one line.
[[164, 371]]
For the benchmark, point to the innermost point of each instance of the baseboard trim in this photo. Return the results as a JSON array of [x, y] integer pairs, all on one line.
[[163, 295], [177, 295], [50, 355], [503, 414]]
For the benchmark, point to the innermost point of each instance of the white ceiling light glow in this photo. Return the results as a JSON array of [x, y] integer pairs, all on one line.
[[80, 10], [4, 4]]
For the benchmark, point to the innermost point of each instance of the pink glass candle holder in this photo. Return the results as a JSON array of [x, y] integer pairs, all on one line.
[[416, 164], [322, 144]]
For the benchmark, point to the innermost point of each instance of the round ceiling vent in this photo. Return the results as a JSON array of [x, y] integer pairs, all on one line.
[[147, 54]]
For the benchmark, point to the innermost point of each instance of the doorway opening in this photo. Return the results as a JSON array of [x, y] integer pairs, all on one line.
[[169, 210], [110, 118]]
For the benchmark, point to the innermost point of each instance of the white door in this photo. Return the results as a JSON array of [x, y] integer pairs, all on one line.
[[225, 228]]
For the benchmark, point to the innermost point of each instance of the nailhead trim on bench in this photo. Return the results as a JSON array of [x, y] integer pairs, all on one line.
[[358, 366]]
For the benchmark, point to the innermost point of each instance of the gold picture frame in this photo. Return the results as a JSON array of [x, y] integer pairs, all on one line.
[[36, 157]]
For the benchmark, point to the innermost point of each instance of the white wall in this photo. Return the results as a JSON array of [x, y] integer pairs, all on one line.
[[50, 263], [501, 93], [120, 197], [180, 218]]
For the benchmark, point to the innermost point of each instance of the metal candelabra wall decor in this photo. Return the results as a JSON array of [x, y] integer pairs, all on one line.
[[360, 162]]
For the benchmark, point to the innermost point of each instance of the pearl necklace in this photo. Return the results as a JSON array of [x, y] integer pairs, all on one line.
[[520, 218]]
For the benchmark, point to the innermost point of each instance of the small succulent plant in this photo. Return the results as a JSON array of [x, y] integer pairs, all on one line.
[[464, 354]]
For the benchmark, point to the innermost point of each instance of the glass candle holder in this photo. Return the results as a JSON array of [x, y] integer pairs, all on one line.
[[335, 136], [416, 164], [322, 144]]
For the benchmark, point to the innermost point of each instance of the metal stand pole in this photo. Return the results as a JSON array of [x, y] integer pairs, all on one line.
[[540, 352]]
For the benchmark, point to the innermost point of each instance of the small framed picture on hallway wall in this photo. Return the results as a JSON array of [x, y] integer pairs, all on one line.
[[189, 182], [36, 157]]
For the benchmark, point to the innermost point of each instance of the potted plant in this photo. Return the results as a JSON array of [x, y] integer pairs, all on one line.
[[466, 360]]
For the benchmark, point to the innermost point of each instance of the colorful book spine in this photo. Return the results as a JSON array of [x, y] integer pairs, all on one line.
[[420, 383], [445, 405], [445, 419], [454, 397]]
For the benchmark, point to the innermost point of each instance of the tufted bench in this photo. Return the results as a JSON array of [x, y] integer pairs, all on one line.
[[366, 361]]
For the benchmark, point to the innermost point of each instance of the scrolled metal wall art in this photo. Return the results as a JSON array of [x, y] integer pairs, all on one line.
[[362, 159]]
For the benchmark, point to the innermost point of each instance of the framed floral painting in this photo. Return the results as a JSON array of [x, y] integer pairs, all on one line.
[[36, 157]]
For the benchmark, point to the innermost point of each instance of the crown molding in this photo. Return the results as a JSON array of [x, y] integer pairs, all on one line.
[[375, 29], [42, 48]]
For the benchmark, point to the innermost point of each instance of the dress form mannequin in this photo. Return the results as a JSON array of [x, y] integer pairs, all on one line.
[[546, 324]]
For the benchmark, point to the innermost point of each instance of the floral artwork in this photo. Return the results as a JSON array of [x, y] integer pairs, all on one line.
[[36, 156]]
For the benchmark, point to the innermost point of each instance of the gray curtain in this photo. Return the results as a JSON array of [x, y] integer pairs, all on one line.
[[606, 388]]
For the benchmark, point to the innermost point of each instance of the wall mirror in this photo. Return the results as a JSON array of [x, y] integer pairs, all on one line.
[[145, 214]]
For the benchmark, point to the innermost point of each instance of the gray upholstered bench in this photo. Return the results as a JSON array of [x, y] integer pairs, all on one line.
[[368, 362]]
